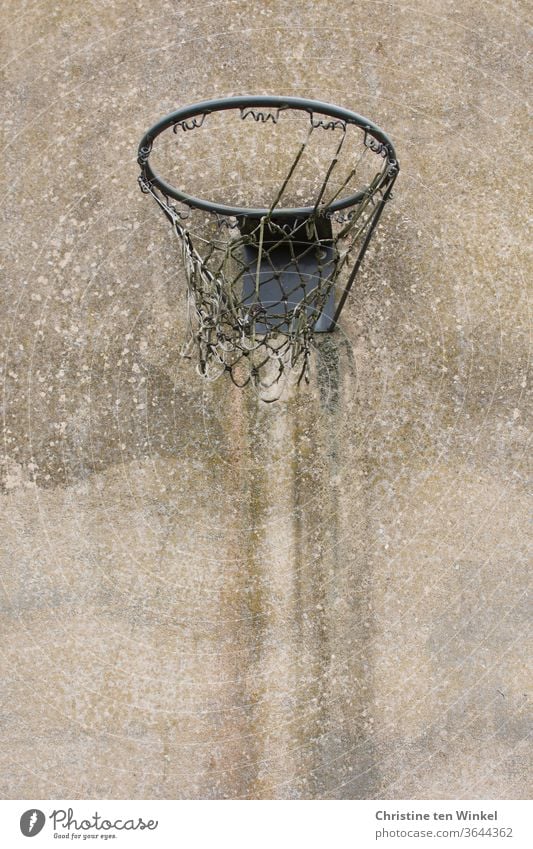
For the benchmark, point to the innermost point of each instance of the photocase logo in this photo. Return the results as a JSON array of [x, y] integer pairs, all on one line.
[[31, 822]]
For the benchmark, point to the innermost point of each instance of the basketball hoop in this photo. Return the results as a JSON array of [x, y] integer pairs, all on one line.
[[262, 278]]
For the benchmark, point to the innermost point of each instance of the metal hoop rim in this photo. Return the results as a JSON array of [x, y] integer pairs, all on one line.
[[205, 107]]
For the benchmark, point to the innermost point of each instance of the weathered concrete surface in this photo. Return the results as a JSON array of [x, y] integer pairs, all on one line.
[[206, 597]]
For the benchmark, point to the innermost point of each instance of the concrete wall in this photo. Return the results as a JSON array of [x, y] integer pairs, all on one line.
[[206, 597]]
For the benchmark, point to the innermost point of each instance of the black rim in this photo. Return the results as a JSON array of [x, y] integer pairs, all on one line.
[[194, 115]]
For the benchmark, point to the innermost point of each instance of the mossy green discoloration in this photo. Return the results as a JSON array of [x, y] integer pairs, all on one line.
[[327, 361]]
